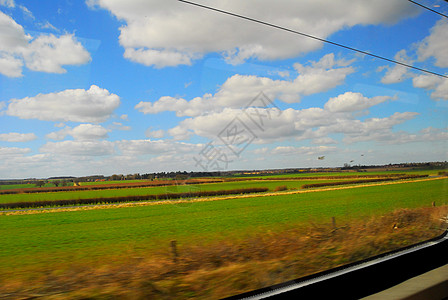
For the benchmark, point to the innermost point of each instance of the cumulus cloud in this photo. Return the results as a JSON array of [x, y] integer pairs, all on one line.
[[291, 150], [173, 33], [89, 132], [435, 45], [398, 73], [149, 147], [239, 90], [10, 65], [79, 148], [45, 53], [17, 137], [350, 101], [80, 132], [324, 141], [59, 135], [182, 107], [8, 3], [157, 134], [48, 53], [13, 151], [373, 129], [337, 117], [438, 85], [93, 105]]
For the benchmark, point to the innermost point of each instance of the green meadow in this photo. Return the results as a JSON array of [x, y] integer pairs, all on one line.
[[44, 240], [106, 193]]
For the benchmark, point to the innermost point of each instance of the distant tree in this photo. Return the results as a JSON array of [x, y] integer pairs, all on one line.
[[63, 183], [56, 183], [40, 183], [181, 177]]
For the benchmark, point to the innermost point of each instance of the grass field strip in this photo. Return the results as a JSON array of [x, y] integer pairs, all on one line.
[[204, 199]]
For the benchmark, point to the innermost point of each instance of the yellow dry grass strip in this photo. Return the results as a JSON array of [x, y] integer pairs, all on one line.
[[146, 203]]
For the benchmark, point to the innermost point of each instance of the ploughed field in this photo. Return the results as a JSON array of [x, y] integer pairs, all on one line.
[[211, 247]]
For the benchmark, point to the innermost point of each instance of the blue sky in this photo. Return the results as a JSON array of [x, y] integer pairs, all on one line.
[[118, 87]]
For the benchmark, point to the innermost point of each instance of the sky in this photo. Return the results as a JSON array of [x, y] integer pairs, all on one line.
[[102, 87]]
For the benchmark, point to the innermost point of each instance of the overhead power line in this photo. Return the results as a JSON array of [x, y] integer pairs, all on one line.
[[425, 7], [312, 37]]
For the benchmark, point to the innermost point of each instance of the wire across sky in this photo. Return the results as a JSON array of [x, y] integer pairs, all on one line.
[[312, 37]]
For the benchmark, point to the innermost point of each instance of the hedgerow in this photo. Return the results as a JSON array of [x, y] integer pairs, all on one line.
[[335, 183], [102, 200]]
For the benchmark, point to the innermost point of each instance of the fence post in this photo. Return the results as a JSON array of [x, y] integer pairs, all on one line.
[[174, 251]]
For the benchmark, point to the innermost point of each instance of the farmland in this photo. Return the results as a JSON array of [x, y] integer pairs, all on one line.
[[130, 191], [56, 243]]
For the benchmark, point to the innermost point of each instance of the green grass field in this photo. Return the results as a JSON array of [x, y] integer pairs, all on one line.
[[323, 174], [12, 198], [47, 239]]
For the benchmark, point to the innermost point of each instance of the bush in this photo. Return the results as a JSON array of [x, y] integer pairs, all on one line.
[[335, 183], [281, 188], [129, 198]]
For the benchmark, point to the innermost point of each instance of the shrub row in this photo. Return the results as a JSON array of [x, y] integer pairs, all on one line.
[[103, 186], [313, 185], [334, 177], [281, 188], [129, 198]]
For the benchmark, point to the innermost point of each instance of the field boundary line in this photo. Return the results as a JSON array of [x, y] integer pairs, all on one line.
[[204, 199]]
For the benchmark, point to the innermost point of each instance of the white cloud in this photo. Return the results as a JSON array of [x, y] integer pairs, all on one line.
[[89, 132], [179, 133], [45, 53], [93, 105], [173, 33], [119, 126], [13, 151], [80, 132], [149, 147], [47, 25], [438, 85], [12, 36], [17, 137], [436, 45], [8, 3], [398, 73], [324, 141], [59, 135], [10, 66], [79, 148], [157, 134], [239, 90], [350, 102], [291, 150], [26, 12], [182, 107], [49, 53], [316, 124], [374, 129]]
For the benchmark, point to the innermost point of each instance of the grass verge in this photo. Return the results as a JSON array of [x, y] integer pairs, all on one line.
[[228, 267]]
